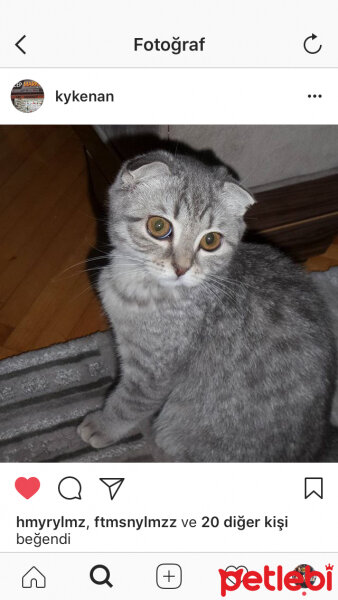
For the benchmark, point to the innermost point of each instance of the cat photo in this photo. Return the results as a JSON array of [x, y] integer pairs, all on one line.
[[224, 348]]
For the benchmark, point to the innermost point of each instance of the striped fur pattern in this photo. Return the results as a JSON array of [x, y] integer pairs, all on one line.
[[233, 360]]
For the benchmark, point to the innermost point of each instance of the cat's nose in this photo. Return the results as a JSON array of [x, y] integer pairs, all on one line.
[[180, 270]]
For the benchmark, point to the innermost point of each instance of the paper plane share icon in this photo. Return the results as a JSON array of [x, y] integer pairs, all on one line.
[[113, 484]]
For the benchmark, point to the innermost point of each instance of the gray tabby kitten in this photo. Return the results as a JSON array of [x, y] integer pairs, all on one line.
[[225, 345]]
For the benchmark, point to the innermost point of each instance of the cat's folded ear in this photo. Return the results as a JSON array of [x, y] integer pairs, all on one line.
[[237, 198], [146, 166]]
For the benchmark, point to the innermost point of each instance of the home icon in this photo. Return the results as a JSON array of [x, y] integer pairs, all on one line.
[[34, 578]]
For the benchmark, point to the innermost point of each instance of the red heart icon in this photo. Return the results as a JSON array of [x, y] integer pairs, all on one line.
[[27, 487]]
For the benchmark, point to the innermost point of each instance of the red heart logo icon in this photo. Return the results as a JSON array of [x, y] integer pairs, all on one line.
[[27, 487]]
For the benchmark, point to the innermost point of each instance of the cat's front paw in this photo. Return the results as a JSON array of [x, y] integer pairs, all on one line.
[[95, 430]]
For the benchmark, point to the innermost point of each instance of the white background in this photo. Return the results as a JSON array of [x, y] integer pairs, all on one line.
[[180, 96], [179, 491]]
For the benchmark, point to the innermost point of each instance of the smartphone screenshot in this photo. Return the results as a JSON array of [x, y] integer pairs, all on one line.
[[169, 299]]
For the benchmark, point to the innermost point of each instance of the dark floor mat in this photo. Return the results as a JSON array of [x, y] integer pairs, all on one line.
[[44, 395]]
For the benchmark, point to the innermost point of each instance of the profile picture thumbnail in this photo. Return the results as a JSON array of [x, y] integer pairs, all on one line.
[[27, 95], [301, 569]]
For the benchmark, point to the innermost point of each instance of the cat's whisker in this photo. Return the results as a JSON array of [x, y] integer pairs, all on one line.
[[222, 282], [102, 252], [232, 281], [88, 270], [128, 257], [82, 262], [117, 262], [226, 288], [222, 285], [127, 271], [126, 265], [209, 291], [89, 287], [231, 298], [227, 295], [77, 274], [98, 258]]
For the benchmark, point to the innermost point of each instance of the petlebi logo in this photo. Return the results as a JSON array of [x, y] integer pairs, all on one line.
[[304, 576]]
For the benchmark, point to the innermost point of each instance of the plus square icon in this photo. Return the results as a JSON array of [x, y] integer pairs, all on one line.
[[169, 576]]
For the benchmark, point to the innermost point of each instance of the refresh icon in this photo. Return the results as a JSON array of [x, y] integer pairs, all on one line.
[[307, 44]]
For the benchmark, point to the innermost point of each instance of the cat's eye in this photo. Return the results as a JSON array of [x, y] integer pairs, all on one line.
[[211, 241], [159, 227]]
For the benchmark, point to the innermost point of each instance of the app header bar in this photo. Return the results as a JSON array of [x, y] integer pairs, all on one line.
[[217, 33]]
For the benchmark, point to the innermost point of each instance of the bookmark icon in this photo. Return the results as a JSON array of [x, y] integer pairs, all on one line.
[[113, 484], [314, 486]]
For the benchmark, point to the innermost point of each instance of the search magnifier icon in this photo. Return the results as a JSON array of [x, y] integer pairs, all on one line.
[[100, 575]]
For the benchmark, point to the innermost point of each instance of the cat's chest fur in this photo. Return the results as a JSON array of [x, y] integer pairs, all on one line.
[[159, 329]]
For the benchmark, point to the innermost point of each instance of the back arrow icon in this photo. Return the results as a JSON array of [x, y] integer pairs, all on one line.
[[311, 37], [19, 47]]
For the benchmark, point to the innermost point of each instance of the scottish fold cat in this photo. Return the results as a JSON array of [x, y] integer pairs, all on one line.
[[224, 346]]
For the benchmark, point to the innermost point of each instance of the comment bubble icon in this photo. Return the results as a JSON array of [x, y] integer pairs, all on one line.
[[70, 488]]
